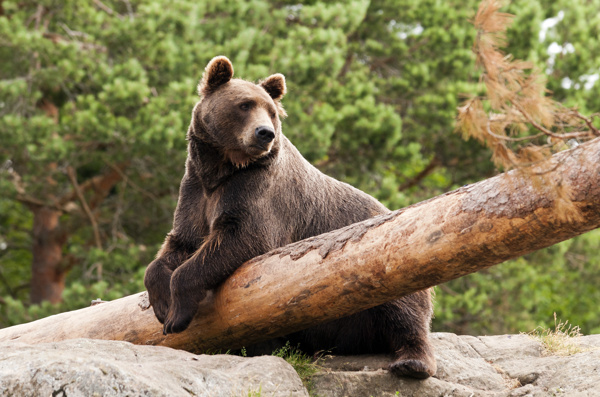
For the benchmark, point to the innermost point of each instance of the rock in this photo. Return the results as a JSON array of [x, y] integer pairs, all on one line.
[[381, 383], [495, 366], [492, 366], [86, 367]]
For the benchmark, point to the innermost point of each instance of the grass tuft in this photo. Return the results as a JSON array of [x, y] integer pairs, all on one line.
[[563, 340], [304, 365]]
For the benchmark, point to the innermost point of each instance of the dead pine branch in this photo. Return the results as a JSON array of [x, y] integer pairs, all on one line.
[[516, 101]]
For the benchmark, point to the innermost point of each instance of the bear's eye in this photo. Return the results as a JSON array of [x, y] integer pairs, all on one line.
[[246, 106], [272, 114]]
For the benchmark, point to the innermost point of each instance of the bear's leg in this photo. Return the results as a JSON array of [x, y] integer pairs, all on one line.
[[157, 281], [407, 332], [399, 328], [222, 252], [188, 288]]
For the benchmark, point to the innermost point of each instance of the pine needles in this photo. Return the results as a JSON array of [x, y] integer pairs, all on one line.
[[518, 112], [516, 118]]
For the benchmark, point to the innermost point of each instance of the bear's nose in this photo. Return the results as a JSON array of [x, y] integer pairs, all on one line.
[[264, 134]]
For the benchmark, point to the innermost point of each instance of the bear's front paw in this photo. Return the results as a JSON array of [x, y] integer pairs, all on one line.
[[160, 307], [178, 321], [181, 314], [158, 283]]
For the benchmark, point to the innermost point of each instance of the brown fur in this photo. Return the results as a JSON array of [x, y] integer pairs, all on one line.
[[246, 191]]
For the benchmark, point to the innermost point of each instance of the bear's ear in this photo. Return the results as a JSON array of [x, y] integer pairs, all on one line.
[[275, 86], [218, 72]]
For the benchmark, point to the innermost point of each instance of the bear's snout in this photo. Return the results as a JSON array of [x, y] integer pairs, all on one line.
[[264, 135]]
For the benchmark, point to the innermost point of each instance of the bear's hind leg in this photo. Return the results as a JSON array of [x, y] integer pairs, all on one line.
[[414, 359], [407, 333]]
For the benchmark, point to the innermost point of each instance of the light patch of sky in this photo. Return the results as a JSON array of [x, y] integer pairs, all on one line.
[[550, 23], [294, 11], [404, 30], [587, 80]]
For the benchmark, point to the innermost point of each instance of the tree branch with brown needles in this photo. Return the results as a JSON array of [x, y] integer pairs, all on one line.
[[538, 126], [587, 120], [516, 100], [510, 139]]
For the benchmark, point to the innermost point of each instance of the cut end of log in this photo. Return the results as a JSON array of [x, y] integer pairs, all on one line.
[[144, 302]]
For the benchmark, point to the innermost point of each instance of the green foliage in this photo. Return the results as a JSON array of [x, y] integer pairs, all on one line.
[[304, 365], [577, 31], [373, 88], [75, 296], [255, 393], [15, 248], [80, 291], [524, 293]]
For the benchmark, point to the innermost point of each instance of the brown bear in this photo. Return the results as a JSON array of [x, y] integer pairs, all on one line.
[[247, 190]]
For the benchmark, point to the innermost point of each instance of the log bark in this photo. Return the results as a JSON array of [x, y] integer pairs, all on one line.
[[362, 265]]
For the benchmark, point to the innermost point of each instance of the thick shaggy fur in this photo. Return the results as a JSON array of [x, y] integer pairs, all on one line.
[[246, 191]]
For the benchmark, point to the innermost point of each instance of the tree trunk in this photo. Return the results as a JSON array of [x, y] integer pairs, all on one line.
[[48, 276], [365, 264], [48, 270]]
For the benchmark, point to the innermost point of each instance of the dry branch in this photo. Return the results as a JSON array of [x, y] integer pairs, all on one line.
[[86, 208], [362, 265]]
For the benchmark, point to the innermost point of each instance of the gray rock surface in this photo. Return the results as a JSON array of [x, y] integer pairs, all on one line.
[[495, 366], [85, 367]]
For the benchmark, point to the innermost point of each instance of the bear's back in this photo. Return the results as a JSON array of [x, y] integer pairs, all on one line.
[[314, 202]]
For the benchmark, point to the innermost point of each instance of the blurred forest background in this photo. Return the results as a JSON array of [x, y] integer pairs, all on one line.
[[96, 97]]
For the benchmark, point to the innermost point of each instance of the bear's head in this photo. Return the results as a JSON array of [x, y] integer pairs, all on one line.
[[239, 118]]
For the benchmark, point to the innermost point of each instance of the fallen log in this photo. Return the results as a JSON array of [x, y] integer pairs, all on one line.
[[362, 265]]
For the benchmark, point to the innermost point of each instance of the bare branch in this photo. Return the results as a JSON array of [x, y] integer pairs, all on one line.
[[516, 94], [433, 164], [588, 122], [131, 183], [100, 183], [22, 195], [16, 179], [84, 205], [546, 131], [129, 9], [347, 63], [38, 16], [33, 202], [510, 139], [107, 9]]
